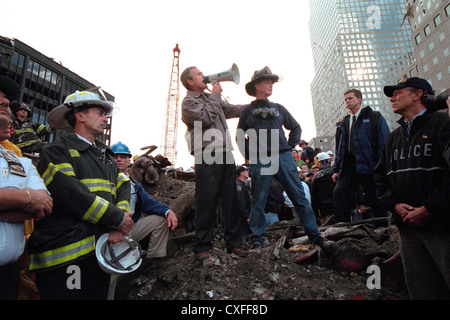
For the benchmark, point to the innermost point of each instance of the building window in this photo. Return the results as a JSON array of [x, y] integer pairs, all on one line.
[[427, 30], [437, 20], [447, 10], [418, 39], [435, 60]]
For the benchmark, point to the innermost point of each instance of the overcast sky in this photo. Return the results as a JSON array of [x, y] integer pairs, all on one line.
[[126, 48]]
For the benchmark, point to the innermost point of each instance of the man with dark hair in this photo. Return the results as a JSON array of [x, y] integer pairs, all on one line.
[[308, 154], [243, 199], [91, 197], [152, 218], [215, 170], [413, 180], [360, 137]]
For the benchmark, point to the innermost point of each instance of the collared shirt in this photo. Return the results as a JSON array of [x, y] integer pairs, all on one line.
[[12, 238], [351, 118], [207, 112], [409, 124], [84, 139]]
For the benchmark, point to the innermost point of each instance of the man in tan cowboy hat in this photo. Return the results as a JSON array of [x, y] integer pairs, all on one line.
[[266, 121]]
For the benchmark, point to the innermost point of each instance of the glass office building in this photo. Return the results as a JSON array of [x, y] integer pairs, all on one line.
[[356, 44], [44, 82], [430, 23]]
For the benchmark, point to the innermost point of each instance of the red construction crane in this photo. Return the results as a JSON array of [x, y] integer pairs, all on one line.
[[171, 119]]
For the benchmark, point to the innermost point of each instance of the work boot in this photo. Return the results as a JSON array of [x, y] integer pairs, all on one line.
[[238, 251], [200, 256]]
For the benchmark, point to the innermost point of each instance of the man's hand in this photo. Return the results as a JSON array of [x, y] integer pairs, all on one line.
[[172, 221], [217, 88], [116, 236], [402, 209], [128, 223], [417, 216], [41, 204], [335, 177]]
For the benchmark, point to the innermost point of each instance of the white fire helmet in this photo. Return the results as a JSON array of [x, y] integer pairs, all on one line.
[[119, 258], [90, 97], [323, 156]]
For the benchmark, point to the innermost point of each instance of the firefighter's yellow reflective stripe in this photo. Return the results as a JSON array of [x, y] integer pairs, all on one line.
[[96, 185], [41, 127], [74, 153], [121, 178], [60, 255], [96, 210], [24, 130], [52, 169], [124, 205], [27, 143]]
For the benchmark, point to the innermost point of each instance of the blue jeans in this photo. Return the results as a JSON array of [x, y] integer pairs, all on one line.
[[287, 175], [271, 218]]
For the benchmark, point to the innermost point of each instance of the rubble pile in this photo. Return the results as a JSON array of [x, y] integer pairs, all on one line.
[[335, 273], [288, 268]]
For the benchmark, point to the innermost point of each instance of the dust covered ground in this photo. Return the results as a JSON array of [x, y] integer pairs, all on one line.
[[226, 276], [338, 272]]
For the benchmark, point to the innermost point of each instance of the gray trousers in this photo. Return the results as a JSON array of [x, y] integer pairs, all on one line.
[[426, 261]]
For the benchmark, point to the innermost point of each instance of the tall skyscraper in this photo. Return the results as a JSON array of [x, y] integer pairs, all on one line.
[[356, 44], [430, 23]]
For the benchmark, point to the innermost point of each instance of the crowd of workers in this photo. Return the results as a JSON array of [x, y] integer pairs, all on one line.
[[78, 216]]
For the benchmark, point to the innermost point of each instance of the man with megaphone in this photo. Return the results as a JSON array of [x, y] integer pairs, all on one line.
[[209, 142]]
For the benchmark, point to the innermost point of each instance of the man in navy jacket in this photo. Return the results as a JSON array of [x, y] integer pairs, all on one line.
[[356, 157], [152, 218]]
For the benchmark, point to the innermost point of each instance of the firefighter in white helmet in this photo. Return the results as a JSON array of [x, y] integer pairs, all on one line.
[[322, 186], [91, 197]]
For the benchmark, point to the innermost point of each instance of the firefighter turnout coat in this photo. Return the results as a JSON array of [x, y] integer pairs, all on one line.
[[90, 197]]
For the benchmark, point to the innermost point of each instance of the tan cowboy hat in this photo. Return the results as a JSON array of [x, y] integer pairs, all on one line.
[[258, 76]]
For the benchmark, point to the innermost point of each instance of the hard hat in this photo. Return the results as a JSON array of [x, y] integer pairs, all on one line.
[[16, 106], [323, 156], [121, 148], [75, 101], [119, 258]]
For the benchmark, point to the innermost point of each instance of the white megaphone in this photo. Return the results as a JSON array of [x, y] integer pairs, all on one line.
[[231, 74]]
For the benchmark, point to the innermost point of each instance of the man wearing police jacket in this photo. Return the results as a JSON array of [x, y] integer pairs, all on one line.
[[413, 180], [91, 197]]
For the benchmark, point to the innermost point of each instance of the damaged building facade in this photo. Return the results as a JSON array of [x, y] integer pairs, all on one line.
[[44, 83]]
